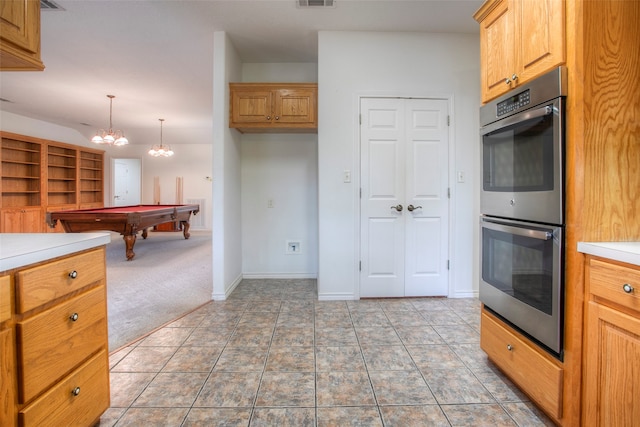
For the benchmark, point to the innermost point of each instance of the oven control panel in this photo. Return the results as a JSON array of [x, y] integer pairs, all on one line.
[[513, 103]]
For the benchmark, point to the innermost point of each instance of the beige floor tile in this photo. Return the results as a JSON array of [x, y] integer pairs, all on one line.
[[478, 415], [218, 417], [290, 359], [343, 389], [287, 389], [351, 416], [229, 389], [414, 416], [339, 358]]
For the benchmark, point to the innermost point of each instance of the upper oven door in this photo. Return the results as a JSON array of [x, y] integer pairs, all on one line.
[[522, 165]]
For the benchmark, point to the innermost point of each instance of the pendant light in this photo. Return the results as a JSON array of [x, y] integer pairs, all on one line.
[[160, 150], [110, 138]]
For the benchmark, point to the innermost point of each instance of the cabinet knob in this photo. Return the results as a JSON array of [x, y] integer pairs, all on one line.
[[73, 274], [507, 81], [627, 288], [75, 391], [509, 347], [74, 317], [268, 117], [514, 77], [277, 117]]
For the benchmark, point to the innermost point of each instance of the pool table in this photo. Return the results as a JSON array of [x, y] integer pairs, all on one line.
[[126, 220]]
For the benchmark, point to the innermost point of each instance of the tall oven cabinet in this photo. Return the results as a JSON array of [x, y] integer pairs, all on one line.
[[598, 44]]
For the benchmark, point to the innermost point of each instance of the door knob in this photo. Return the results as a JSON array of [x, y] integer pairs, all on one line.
[[398, 208], [411, 208]]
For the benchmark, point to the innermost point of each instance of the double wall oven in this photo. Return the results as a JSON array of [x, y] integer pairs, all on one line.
[[522, 206]]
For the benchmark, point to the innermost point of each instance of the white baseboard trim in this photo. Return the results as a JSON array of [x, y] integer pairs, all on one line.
[[336, 297], [464, 294], [279, 276], [224, 295]]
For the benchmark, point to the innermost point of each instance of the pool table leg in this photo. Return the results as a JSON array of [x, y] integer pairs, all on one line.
[[144, 233], [129, 241], [185, 229]]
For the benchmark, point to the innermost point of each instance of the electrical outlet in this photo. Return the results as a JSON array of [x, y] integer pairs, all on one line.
[[270, 203]]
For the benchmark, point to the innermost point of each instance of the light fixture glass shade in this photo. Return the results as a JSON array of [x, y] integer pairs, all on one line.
[[111, 138], [160, 150]]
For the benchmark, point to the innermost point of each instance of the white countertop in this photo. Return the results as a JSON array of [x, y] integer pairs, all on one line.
[[20, 249], [628, 252]]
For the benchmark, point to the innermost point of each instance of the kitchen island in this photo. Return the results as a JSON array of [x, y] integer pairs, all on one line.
[[54, 365]]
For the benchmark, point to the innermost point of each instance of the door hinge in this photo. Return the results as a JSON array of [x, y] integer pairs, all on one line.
[[448, 264], [448, 192], [361, 192], [360, 118], [448, 120], [360, 266]]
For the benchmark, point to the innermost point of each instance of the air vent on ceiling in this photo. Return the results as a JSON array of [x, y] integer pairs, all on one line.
[[49, 5], [315, 3]]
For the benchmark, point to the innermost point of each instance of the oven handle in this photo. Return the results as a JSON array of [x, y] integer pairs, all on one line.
[[525, 232], [517, 118]]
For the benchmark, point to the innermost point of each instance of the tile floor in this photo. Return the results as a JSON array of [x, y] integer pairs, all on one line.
[[273, 355]]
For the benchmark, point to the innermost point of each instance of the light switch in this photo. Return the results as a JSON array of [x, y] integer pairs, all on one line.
[[346, 176]]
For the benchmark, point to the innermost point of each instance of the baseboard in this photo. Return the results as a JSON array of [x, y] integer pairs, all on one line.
[[279, 276], [336, 297], [464, 294], [223, 296]]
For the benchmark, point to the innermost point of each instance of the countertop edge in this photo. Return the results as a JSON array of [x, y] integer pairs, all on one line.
[[628, 252], [45, 246]]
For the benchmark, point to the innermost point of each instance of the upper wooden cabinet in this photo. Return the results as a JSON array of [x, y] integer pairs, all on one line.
[[519, 40], [20, 35], [273, 107]]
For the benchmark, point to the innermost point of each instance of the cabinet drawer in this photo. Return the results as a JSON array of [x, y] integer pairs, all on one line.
[[39, 285], [52, 344], [62, 406], [607, 281], [536, 375], [5, 298]]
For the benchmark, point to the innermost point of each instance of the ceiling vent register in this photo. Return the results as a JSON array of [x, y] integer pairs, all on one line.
[[315, 3]]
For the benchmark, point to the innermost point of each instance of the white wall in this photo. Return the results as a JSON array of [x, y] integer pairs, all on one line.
[[227, 229], [191, 162], [282, 168], [354, 64]]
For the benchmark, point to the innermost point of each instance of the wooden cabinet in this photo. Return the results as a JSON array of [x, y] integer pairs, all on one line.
[[20, 35], [21, 220], [54, 366], [519, 40], [271, 107], [535, 372], [612, 368], [39, 176]]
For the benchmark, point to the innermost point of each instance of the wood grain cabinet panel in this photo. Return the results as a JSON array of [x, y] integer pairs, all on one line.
[[533, 371], [54, 365], [273, 108], [519, 40], [612, 367], [20, 35], [74, 400]]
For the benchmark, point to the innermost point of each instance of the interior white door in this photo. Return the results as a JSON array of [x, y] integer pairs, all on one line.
[[404, 197], [127, 180]]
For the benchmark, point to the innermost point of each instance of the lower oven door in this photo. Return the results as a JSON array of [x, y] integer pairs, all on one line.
[[521, 277]]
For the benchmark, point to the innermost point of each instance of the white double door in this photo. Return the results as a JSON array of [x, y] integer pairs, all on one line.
[[404, 204]]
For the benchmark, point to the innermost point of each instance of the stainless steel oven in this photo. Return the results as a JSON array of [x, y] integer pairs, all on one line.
[[521, 277], [522, 207], [523, 151]]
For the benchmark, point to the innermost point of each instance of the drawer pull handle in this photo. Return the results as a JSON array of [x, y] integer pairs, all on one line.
[[75, 391], [509, 347], [73, 274], [627, 288], [74, 317]]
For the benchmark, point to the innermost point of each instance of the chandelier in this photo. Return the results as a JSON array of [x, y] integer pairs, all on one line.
[[160, 150], [111, 138]]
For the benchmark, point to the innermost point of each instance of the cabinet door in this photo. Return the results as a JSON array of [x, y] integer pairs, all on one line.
[[497, 42], [612, 370], [251, 106], [20, 35], [25, 220], [294, 106], [7, 378], [17, 24], [541, 45]]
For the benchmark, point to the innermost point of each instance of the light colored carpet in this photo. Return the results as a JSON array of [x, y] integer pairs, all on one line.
[[168, 277]]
